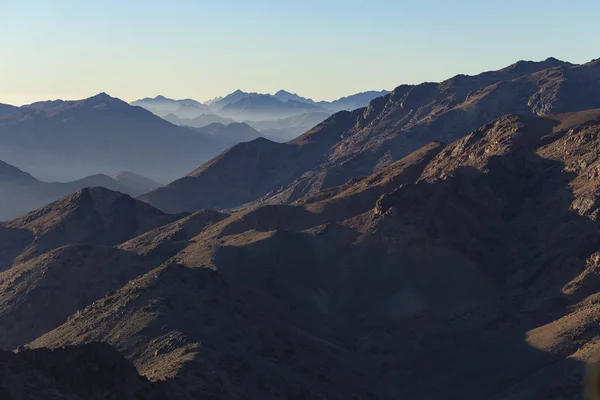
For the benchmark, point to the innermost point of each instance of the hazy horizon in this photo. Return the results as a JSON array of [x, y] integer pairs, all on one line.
[[322, 50]]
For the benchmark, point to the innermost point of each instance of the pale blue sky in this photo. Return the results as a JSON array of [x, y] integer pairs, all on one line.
[[322, 49]]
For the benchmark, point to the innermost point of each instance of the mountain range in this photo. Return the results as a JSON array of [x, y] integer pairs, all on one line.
[[199, 121], [357, 143], [20, 192], [441, 242], [161, 105], [67, 140], [350, 291], [243, 106], [279, 130]]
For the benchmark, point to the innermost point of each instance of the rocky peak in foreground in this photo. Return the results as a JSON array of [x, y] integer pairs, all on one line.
[[93, 215]]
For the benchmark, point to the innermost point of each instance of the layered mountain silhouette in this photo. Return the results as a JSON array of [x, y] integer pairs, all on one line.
[[244, 106], [161, 105], [136, 183], [389, 252], [256, 107], [352, 144], [284, 96], [198, 122], [236, 131], [352, 102], [20, 192], [279, 130], [66, 140], [286, 129], [230, 99]]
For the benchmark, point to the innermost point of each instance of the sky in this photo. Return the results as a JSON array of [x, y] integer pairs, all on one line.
[[323, 49]]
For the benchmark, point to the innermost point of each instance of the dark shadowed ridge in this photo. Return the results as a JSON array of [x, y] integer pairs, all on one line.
[[90, 372]]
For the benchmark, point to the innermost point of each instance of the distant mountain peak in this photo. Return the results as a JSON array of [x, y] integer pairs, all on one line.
[[281, 91], [530, 66], [284, 96], [101, 96]]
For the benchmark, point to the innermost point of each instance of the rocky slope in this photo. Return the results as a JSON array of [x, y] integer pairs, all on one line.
[[355, 144], [93, 215], [461, 270], [50, 288], [89, 372]]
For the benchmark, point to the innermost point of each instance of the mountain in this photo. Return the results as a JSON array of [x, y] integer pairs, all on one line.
[[199, 121], [73, 276], [6, 109], [284, 96], [256, 107], [229, 99], [20, 192], [251, 169], [10, 173], [95, 216], [234, 132], [66, 140], [138, 184], [211, 101], [372, 267], [455, 255], [352, 102], [283, 130], [91, 372], [160, 105], [352, 144]]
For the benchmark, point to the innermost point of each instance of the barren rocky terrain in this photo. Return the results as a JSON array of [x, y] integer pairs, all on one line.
[[442, 243], [463, 270], [358, 143]]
